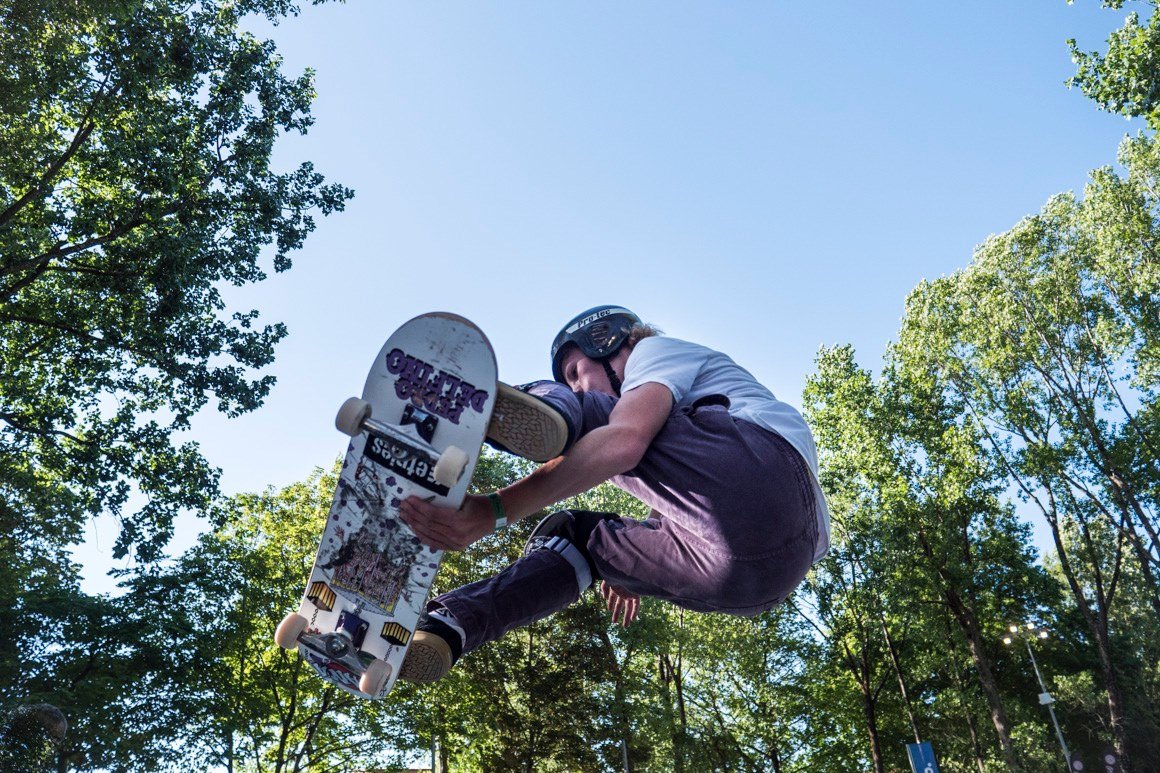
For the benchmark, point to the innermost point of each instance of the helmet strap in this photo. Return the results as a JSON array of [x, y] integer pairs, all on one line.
[[613, 379]]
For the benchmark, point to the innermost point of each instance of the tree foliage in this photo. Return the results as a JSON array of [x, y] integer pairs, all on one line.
[[1124, 79], [135, 182], [1049, 340], [142, 183]]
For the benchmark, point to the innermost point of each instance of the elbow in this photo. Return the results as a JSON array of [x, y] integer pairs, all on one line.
[[627, 454]]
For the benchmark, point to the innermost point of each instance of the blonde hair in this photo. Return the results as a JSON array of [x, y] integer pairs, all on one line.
[[641, 331]]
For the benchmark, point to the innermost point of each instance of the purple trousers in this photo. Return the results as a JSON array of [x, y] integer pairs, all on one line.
[[732, 529]]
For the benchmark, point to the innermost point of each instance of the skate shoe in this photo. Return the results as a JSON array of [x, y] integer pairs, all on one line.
[[538, 421], [434, 649]]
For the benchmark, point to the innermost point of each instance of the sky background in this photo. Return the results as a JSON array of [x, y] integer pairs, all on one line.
[[765, 178]]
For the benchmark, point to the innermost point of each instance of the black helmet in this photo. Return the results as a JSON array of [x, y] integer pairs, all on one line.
[[599, 332]]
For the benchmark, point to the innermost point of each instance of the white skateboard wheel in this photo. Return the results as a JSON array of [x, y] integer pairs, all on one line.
[[450, 466], [351, 416], [374, 679], [288, 631]]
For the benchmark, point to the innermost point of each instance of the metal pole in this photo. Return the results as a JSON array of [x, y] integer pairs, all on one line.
[[1046, 699]]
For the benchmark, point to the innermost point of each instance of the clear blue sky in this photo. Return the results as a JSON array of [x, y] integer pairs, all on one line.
[[762, 177]]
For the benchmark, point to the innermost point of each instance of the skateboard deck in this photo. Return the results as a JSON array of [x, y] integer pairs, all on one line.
[[417, 430]]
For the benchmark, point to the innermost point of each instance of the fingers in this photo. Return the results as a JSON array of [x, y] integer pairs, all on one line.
[[629, 611], [623, 606], [436, 527]]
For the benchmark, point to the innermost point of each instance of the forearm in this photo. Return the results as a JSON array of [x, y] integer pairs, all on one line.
[[601, 453], [596, 457]]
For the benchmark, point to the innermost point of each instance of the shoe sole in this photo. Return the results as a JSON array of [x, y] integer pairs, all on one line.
[[428, 660], [526, 426]]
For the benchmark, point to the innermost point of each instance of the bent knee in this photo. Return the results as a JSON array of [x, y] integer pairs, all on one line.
[[567, 532]]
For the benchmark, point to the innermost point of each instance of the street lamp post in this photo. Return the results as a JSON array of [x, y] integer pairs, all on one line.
[[1028, 633]]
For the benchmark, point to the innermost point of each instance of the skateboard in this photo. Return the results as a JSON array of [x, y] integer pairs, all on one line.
[[416, 430]]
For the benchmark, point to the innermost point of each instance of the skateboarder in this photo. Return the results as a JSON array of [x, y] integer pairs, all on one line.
[[729, 472]]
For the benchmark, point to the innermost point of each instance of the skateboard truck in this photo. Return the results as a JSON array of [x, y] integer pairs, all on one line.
[[355, 416], [424, 422], [351, 631], [405, 440]]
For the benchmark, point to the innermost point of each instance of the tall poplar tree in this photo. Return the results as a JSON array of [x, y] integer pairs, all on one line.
[[1049, 340], [918, 510]]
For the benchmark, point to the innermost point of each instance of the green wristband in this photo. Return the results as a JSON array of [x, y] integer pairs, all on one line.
[[501, 519]]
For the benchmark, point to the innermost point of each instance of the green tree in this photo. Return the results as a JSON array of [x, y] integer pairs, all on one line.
[[1050, 341], [550, 696], [254, 705], [180, 672], [136, 180], [844, 612], [1125, 79], [220, 693], [747, 694], [919, 523]]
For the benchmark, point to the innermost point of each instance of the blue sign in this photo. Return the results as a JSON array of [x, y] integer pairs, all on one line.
[[921, 757]]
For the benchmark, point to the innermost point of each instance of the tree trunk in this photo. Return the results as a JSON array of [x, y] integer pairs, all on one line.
[[901, 678], [976, 747], [670, 674], [1097, 621], [972, 728], [1116, 715], [860, 670], [970, 627], [620, 701], [872, 730]]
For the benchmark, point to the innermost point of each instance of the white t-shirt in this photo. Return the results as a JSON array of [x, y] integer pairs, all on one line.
[[692, 371]]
